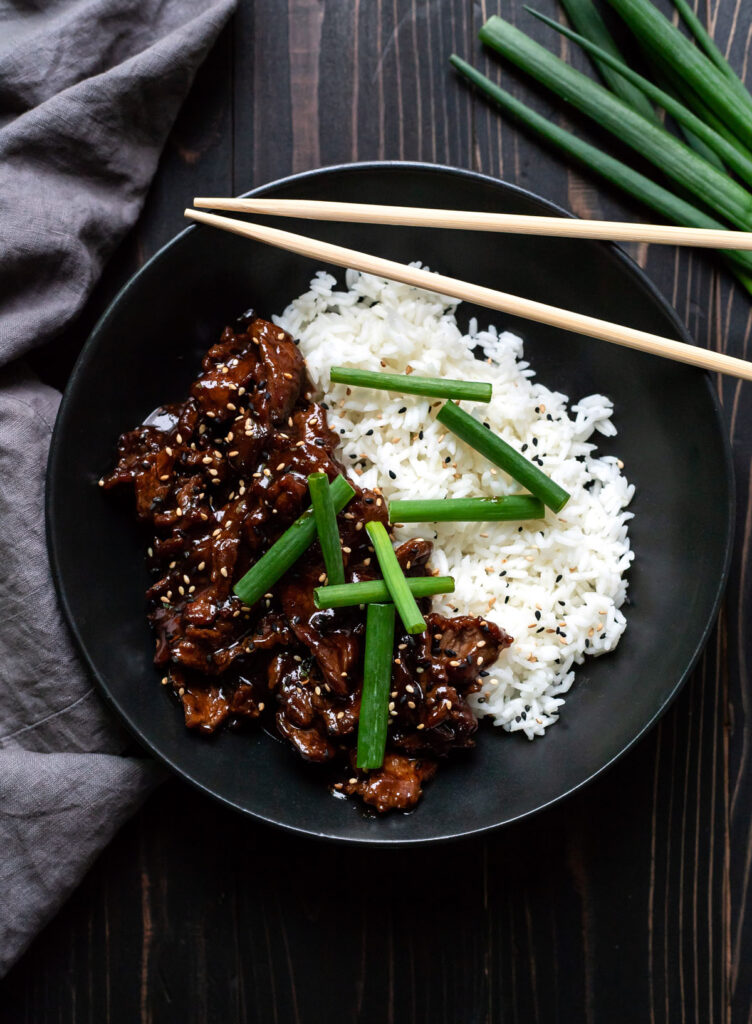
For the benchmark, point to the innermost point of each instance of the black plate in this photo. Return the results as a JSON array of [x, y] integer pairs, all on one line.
[[145, 351]]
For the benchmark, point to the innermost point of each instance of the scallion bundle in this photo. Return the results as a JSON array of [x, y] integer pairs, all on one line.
[[691, 81]]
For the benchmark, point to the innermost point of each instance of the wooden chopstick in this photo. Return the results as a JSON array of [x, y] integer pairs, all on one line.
[[514, 305], [554, 227]]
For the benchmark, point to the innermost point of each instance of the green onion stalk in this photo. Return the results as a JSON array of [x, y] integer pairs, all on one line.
[[326, 527], [432, 387], [511, 508], [375, 591], [503, 455], [399, 591], [377, 676]]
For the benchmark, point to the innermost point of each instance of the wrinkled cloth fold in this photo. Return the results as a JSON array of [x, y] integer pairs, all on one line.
[[89, 90]]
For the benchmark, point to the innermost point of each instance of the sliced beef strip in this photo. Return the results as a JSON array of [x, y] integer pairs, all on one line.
[[397, 785]]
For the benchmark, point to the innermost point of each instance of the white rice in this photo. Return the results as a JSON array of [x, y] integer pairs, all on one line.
[[557, 586]]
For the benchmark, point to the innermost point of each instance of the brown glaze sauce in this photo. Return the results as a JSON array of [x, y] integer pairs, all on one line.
[[217, 478]]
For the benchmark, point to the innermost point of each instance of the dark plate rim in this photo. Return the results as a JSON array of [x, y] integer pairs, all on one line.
[[641, 280]]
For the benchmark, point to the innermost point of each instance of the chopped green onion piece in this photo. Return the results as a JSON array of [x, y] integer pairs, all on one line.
[[732, 104], [733, 157], [657, 145], [368, 591], [466, 510], [326, 527], [469, 430], [394, 578], [377, 677], [285, 551], [658, 198], [589, 23], [433, 387]]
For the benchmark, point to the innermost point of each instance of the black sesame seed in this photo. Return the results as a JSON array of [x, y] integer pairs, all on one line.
[[559, 578], [483, 673], [524, 447], [420, 435], [403, 409], [369, 433], [392, 475], [540, 629], [447, 459], [503, 572], [341, 430], [538, 615], [324, 406], [535, 441]]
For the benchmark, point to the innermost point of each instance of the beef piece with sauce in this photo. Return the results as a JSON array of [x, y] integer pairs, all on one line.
[[217, 479]]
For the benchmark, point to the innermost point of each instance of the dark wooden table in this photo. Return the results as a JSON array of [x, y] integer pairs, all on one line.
[[628, 902]]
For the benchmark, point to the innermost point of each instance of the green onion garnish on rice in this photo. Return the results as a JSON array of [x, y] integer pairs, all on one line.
[[371, 591], [431, 387], [496, 450], [285, 551], [394, 578], [466, 510], [326, 527], [377, 675]]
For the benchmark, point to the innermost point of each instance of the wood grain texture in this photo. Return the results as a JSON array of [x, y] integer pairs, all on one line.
[[631, 901]]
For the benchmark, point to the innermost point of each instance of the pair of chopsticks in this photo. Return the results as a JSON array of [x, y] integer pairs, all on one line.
[[514, 305]]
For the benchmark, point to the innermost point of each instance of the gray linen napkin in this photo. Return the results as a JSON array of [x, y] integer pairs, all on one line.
[[88, 92]]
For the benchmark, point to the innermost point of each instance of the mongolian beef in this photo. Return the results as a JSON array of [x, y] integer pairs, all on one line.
[[217, 479]]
